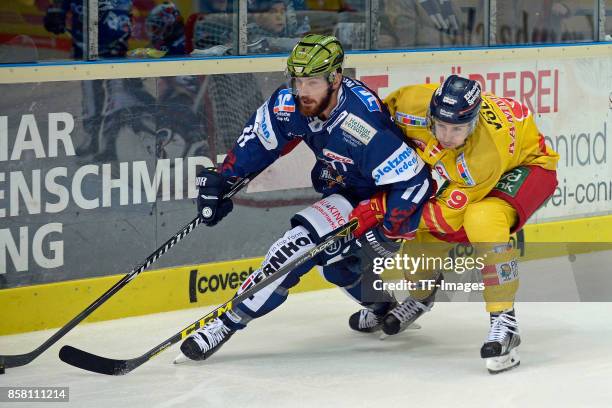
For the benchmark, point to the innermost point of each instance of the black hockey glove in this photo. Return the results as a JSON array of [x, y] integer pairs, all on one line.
[[55, 20], [374, 244], [212, 186]]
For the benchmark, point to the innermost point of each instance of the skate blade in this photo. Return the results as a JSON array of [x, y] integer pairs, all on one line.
[[413, 326], [497, 365], [180, 359]]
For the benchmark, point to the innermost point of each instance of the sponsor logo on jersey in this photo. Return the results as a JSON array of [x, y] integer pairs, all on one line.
[[331, 177], [284, 102], [410, 120], [511, 182], [503, 105], [464, 173], [441, 170], [358, 128], [337, 157], [401, 165], [368, 99], [263, 128]]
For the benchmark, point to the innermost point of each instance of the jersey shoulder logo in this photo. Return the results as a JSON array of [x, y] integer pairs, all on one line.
[[410, 120], [463, 170], [368, 99], [284, 102], [358, 128]]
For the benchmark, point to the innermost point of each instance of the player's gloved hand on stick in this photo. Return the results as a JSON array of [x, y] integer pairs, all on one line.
[[55, 20], [370, 234], [212, 186], [369, 213]]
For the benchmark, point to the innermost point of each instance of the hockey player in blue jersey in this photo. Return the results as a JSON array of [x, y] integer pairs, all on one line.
[[360, 154], [114, 25]]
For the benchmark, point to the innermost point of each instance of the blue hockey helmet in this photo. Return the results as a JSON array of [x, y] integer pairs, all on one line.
[[456, 101]]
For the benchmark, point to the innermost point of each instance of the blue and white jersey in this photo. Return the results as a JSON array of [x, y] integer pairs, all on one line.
[[114, 26], [359, 152]]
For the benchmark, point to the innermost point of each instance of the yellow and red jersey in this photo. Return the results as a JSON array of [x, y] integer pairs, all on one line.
[[505, 137]]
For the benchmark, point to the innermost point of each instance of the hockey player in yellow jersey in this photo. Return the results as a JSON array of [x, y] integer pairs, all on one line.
[[498, 171]]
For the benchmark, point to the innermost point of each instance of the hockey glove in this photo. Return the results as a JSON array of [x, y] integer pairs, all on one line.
[[369, 213], [374, 244], [211, 188], [55, 20]]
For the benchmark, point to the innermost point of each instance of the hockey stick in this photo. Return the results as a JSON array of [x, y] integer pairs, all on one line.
[[102, 365], [23, 359]]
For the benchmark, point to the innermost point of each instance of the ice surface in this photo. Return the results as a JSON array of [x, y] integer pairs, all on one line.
[[304, 354]]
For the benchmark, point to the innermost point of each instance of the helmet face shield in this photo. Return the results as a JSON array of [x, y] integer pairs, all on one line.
[[310, 86]]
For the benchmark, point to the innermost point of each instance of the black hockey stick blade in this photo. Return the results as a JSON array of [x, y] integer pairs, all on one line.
[[88, 361], [18, 360], [91, 362], [102, 365]]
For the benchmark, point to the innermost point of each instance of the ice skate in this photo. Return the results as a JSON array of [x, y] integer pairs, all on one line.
[[499, 350], [205, 341], [404, 315], [366, 320]]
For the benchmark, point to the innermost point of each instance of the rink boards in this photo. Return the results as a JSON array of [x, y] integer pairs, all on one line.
[[111, 220], [45, 306]]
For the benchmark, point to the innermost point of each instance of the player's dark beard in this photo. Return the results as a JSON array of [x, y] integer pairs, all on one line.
[[317, 109]]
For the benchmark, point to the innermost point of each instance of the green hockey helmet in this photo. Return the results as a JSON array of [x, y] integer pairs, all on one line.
[[316, 55]]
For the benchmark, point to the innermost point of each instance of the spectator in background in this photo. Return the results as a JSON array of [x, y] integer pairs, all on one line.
[[269, 29], [272, 27], [210, 31], [417, 23]]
